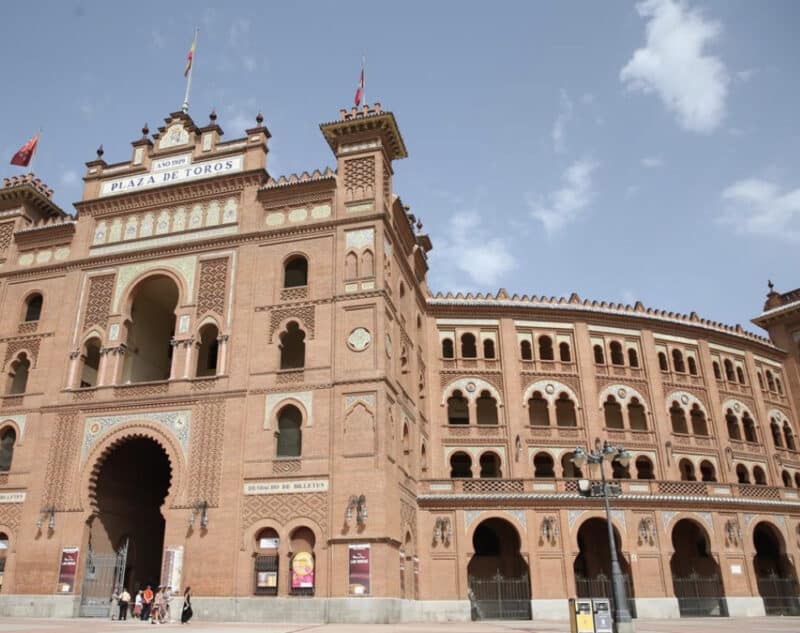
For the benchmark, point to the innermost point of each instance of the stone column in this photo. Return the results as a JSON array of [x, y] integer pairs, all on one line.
[[222, 354], [74, 362], [173, 370], [188, 349]]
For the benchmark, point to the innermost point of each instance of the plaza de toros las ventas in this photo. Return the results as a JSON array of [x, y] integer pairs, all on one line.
[[220, 378]]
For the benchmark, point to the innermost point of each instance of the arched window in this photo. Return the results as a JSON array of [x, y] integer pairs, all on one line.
[[599, 357], [699, 424], [545, 348], [760, 377], [367, 264], [568, 468], [406, 439], [208, 351], [543, 465], [617, 357], [488, 348], [293, 347], [733, 425], [526, 350], [618, 471], [692, 363], [90, 362], [749, 428], [677, 361], [787, 479], [18, 376], [636, 415], [717, 372], [775, 428], [402, 289], [490, 466], [770, 381], [729, 375], [295, 272], [742, 476], [486, 408], [613, 413], [423, 458], [644, 468], [740, 375], [789, 437], [662, 362], [289, 434], [778, 385], [457, 409], [460, 466], [564, 353], [633, 357], [707, 471], [8, 438], [678, 417], [468, 349], [447, 348], [565, 411], [351, 266], [687, 470], [33, 307], [538, 410], [759, 476]]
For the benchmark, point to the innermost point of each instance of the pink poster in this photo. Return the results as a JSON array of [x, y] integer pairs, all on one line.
[[303, 570]]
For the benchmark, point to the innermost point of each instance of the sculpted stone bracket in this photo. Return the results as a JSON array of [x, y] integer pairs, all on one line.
[[177, 422]]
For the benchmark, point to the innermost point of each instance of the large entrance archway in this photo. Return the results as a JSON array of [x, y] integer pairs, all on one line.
[[126, 531], [499, 578], [592, 565], [775, 574], [696, 575]]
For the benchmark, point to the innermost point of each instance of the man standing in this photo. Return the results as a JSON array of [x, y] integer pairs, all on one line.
[[124, 600], [147, 602]]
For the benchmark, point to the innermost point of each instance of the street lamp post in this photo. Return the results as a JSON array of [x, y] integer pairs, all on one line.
[[623, 623]]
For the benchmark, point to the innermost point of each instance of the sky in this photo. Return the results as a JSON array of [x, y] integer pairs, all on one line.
[[621, 150]]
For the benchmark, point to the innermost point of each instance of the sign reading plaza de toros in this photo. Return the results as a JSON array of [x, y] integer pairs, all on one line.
[[285, 487], [167, 171]]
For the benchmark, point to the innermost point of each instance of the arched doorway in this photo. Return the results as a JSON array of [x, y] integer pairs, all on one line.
[[126, 531], [499, 579], [775, 574], [593, 563], [696, 575]]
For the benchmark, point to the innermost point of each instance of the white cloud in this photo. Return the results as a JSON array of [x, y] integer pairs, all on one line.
[[760, 207], [746, 74], [652, 162], [470, 248], [692, 84], [563, 206], [69, 177], [563, 117]]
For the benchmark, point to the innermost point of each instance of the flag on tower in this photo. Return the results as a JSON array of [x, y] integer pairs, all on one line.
[[190, 56], [25, 153], [360, 89]]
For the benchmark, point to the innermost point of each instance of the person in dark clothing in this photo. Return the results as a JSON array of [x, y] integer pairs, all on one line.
[[186, 612], [147, 602], [124, 600]]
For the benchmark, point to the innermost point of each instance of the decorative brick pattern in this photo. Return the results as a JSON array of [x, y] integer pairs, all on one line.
[[359, 178], [10, 514], [211, 291], [284, 508], [303, 314], [29, 344], [6, 231], [205, 453], [98, 305], [62, 459]]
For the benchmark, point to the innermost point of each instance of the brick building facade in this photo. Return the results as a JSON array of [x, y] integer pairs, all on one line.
[[243, 384]]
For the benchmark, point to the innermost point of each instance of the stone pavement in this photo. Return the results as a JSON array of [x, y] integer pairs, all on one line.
[[700, 625]]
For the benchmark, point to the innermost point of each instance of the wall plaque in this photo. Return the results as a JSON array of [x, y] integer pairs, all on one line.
[[285, 487]]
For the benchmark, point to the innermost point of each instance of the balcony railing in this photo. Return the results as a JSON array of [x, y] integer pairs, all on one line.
[[548, 366], [619, 371], [682, 378], [630, 437], [644, 487], [700, 441], [569, 433], [482, 364], [741, 446], [473, 430]]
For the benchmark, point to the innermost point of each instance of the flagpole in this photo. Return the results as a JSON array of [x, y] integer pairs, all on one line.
[[364, 87], [35, 149], [185, 107]]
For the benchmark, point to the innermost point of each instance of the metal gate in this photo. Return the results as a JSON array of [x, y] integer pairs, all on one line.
[[700, 596], [102, 578], [600, 587], [500, 598], [781, 595]]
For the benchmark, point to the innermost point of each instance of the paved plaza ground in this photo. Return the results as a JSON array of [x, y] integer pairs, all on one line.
[[700, 625]]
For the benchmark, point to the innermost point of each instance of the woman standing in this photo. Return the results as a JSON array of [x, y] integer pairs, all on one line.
[[186, 613]]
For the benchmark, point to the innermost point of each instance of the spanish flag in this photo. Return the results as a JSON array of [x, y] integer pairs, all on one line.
[[25, 153], [190, 57]]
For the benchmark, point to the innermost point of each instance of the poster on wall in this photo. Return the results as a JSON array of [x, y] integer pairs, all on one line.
[[359, 570], [68, 569], [303, 571], [266, 580], [172, 567]]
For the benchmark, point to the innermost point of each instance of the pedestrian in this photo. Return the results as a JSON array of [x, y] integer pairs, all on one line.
[[156, 611], [147, 602], [167, 598], [124, 599], [114, 605], [186, 612], [137, 606]]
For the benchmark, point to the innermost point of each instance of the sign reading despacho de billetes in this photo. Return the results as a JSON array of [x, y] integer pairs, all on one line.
[[168, 171], [285, 487], [12, 497]]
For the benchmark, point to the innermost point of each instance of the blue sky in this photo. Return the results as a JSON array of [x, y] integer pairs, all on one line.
[[625, 151]]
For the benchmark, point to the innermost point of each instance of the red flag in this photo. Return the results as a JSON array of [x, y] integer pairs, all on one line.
[[25, 153], [360, 89], [190, 57]]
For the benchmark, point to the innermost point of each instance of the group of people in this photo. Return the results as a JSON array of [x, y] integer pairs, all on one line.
[[153, 606]]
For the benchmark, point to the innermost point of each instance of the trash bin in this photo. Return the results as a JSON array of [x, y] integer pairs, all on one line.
[[581, 615], [603, 622]]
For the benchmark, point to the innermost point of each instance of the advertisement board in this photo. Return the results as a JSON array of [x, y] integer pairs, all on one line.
[[68, 569], [303, 570], [358, 556]]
